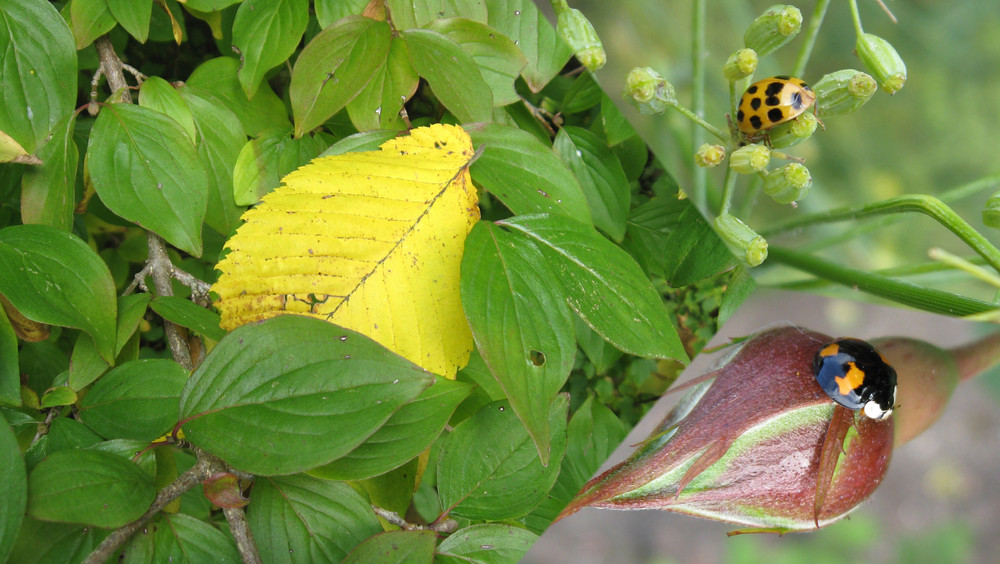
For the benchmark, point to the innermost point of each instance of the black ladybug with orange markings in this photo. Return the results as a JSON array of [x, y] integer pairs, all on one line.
[[855, 375]]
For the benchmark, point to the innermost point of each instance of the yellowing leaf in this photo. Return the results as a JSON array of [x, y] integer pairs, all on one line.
[[370, 241]]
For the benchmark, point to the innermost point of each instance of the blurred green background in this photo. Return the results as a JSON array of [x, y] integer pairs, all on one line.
[[940, 131]]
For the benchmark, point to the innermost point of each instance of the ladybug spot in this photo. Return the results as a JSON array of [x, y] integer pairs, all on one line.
[[752, 89], [773, 101], [755, 103], [739, 116], [756, 122], [774, 88], [775, 115]]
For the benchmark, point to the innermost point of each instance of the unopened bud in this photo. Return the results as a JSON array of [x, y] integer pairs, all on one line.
[[750, 159], [794, 132], [577, 31], [745, 242], [788, 184], [772, 29], [649, 91], [741, 64], [709, 155], [882, 60], [843, 92]]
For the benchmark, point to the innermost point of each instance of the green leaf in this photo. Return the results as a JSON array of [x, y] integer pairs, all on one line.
[[593, 434], [136, 400], [180, 539], [600, 175], [694, 251], [37, 61], [146, 170], [158, 94], [741, 285], [334, 68], [90, 19], [329, 11], [133, 15], [407, 14], [13, 488], [220, 137], [266, 33], [451, 73], [41, 542], [314, 520], [48, 192], [524, 173], [53, 277], [520, 324], [521, 21], [616, 127], [264, 161], [499, 60], [490, 543], [218, 76], [189, 314], [70, 434], [405, 435], [293, 393], [360, 142], [395, 547], [131, 308], [489, 467], [604, 286], [602, 354], [10, 374], [57, 397], [649, 226], [378, 105], [110, 493]]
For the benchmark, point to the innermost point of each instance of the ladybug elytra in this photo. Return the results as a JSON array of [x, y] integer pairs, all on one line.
[[769, 102], [855, 375]]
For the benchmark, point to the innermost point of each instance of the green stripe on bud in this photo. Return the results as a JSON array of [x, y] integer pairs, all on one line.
[[750, 159], [741, 64], [991, 213], [649, 91], [788, 184], [794, 132], [843, 92], [709, 155], [745, 242], [577, 31], [882, 60], [772, 29]]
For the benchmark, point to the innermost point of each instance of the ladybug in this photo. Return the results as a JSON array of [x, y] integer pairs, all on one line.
[[855, 375], [771, 101]]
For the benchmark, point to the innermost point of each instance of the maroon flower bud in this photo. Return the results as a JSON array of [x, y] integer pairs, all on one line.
[[762, 445]]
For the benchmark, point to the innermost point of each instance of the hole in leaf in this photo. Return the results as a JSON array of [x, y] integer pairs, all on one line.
[[537, 357]]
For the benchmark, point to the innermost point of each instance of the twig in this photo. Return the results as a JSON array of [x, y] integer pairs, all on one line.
[[241, 532], [205, 467], [444, 526]]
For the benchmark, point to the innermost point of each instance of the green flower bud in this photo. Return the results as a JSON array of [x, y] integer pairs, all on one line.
[[709, 155], [581, 36], [750, 159], [735, 450], [793, 132], [649, 91], [772, 29], [882, 60], [991, 213], [741, 64], [843, 92], [788, 184], [745, 242]]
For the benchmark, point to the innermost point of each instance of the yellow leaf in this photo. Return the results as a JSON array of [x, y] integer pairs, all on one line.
[[370, 241]]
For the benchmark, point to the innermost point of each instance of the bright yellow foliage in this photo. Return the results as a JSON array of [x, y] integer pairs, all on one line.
[[370, 241]]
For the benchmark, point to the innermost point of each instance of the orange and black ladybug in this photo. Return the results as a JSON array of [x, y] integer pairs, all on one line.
[[772, 101], [855, 375]]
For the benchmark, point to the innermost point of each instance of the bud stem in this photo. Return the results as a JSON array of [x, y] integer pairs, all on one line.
[[815, 22], [857, 18], [700, 121], [925, 204], [960, 263], [975, 358]]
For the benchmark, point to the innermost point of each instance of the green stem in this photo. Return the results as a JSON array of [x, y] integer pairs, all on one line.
[[699, 177], [819, 13], [728, 190], [906, 293], [559, 6], [857, 18], [928, 205], [960, 263], [699, 139]]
